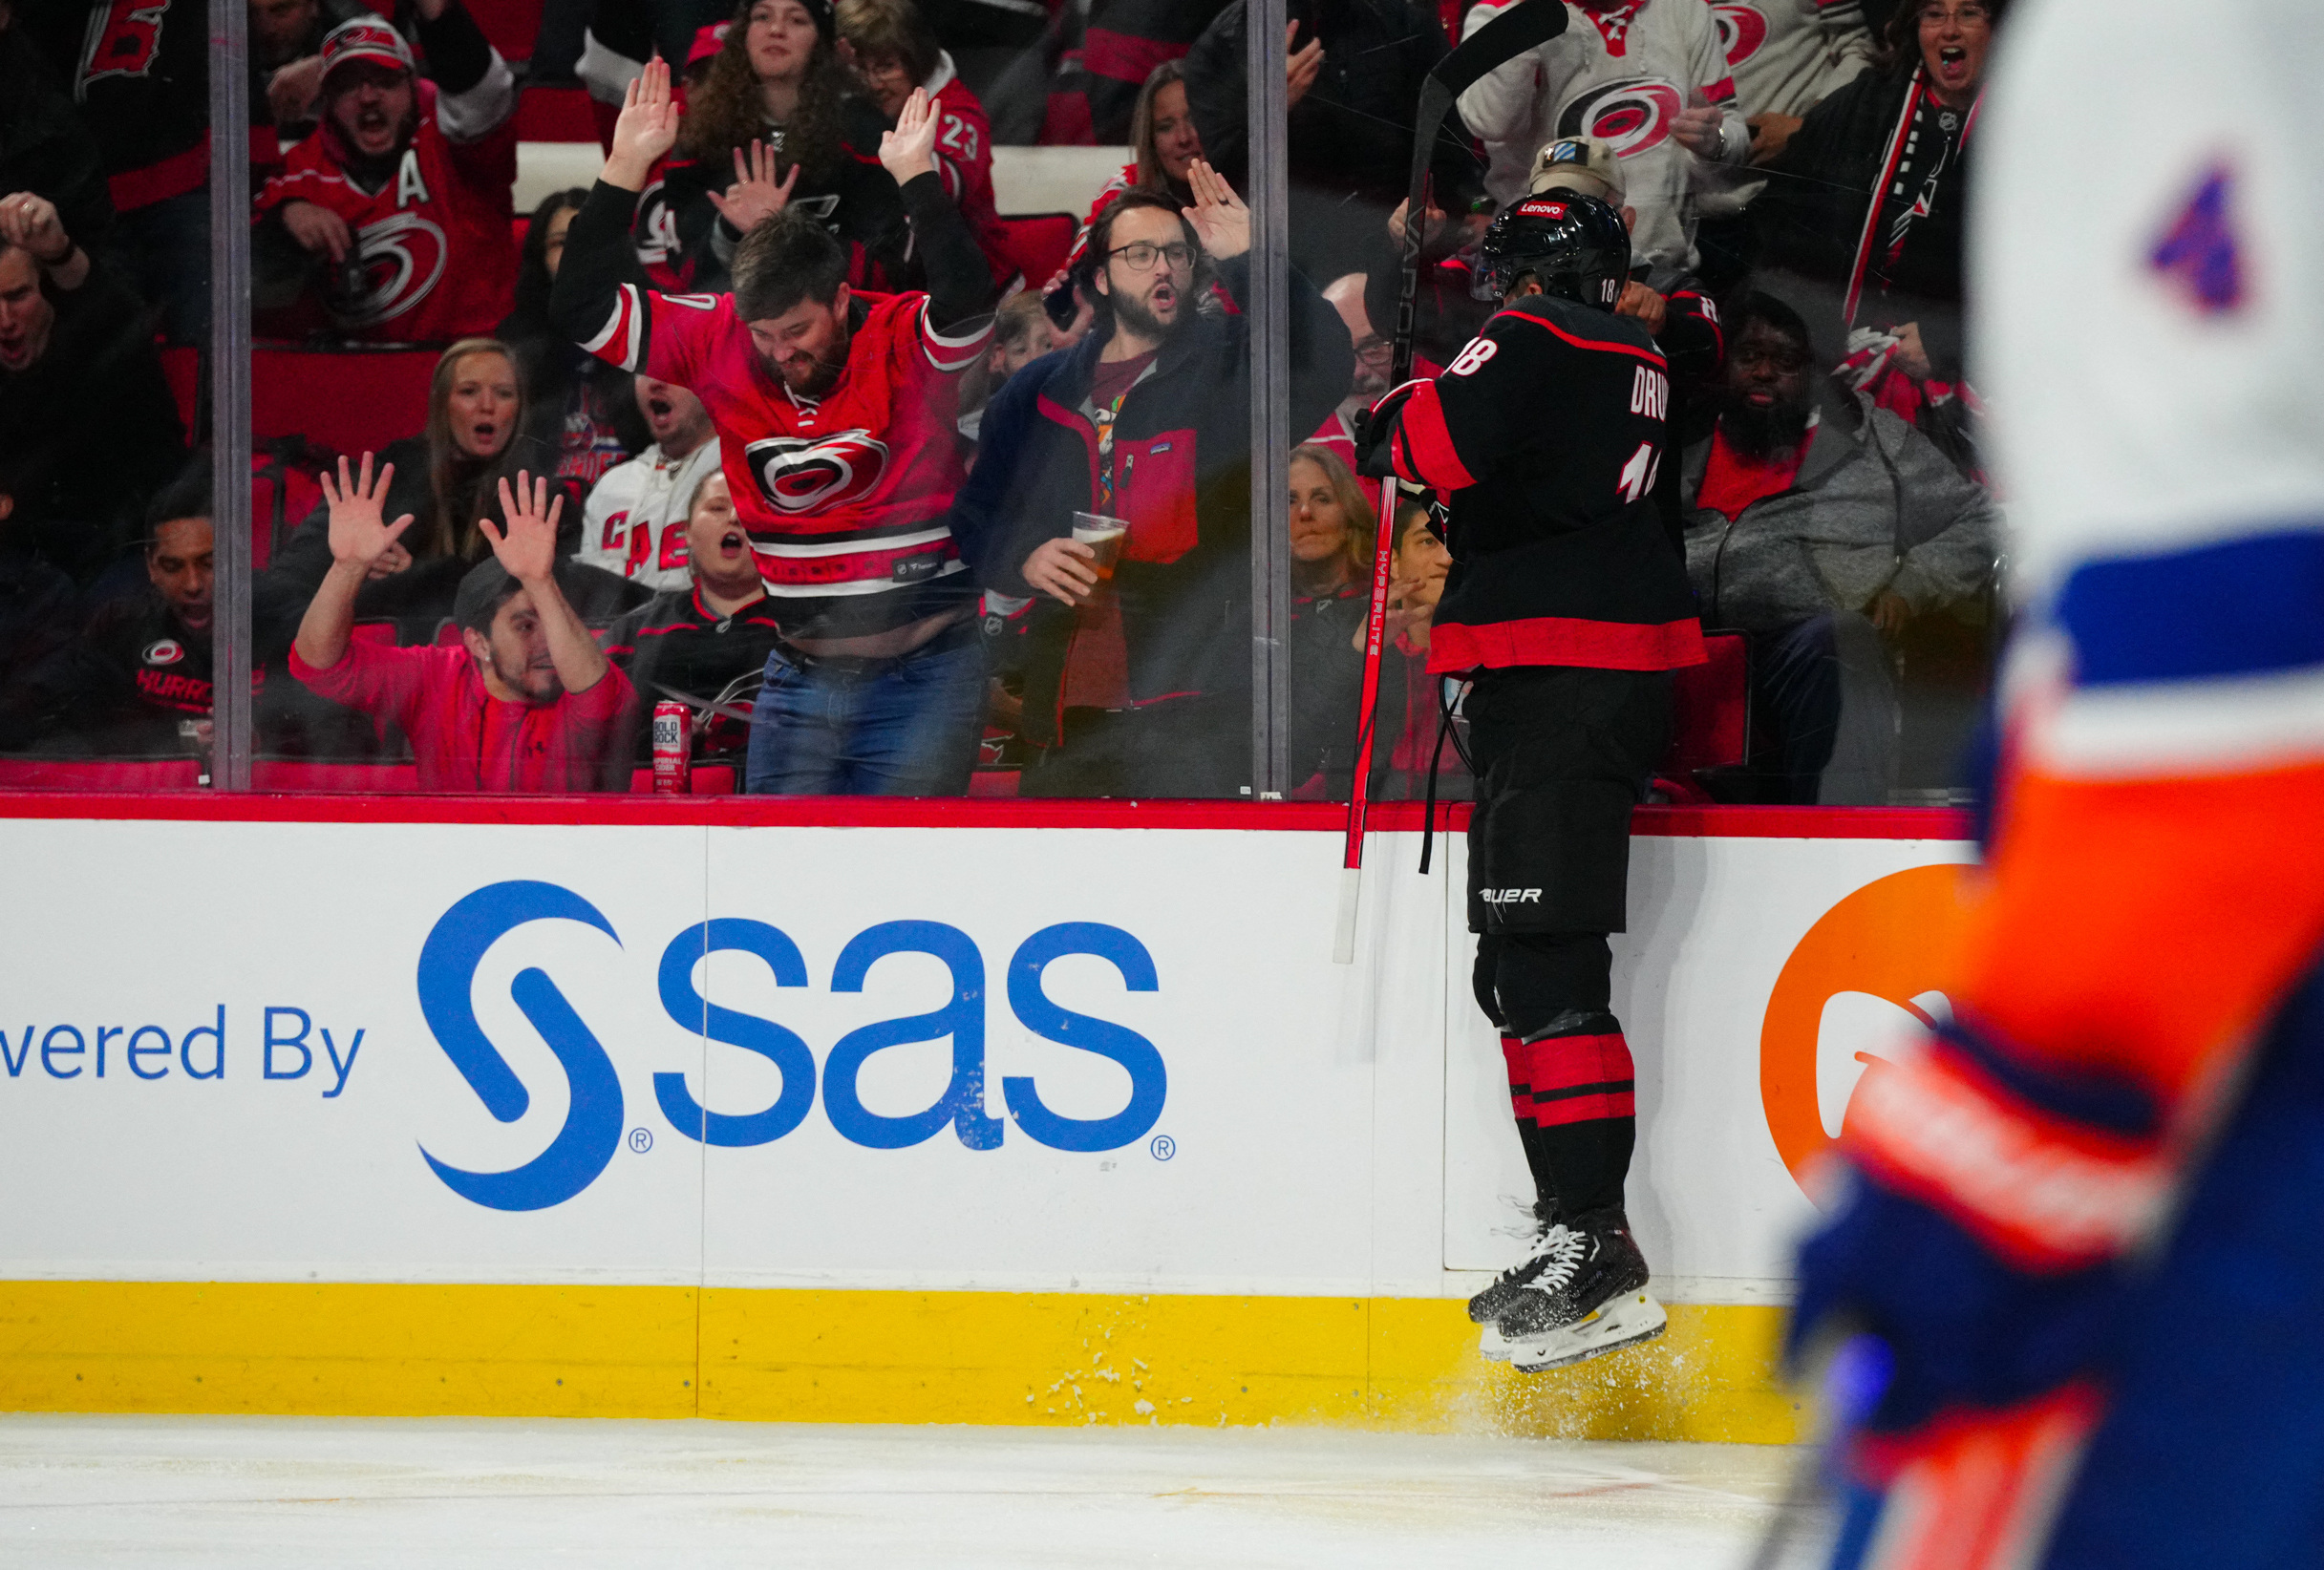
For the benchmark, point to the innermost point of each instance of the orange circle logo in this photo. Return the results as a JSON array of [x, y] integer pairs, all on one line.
[[1862, 976]]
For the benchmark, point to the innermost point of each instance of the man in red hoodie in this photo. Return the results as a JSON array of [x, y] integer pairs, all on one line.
[[527, 701]]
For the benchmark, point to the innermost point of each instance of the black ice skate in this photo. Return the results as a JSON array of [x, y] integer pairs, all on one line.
[[1498, 1299], [1587, 1298]]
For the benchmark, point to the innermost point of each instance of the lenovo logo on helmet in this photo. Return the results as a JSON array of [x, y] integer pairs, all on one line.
[[1539, 208]]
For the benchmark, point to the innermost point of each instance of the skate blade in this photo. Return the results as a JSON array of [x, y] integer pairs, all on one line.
[[1625, 1321]]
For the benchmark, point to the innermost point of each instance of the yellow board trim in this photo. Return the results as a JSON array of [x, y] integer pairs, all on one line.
[[347, 1349]]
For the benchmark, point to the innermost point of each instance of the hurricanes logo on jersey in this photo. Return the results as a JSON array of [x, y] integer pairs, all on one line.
[[656, 229], [403, 256], [1631, 116], [124, 38], [1741, 31], [795, 474]]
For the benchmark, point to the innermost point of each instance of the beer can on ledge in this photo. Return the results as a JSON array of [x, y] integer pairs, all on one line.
[[672, 743]]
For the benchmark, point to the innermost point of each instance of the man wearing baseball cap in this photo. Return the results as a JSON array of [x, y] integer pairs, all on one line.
[[527, 701], [394, 217]]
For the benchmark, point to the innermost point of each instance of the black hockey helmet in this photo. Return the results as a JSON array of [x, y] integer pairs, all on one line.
[[1574, 244]]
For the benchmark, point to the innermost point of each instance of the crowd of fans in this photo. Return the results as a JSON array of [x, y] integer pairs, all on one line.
[[785, 422]]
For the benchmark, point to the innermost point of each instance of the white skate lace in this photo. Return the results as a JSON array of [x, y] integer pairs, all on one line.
[[1552, 1245], [1528, 1222], [1563, 1251]]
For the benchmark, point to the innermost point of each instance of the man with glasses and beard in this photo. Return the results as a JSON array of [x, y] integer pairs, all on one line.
[[1142, 685], [1818, 530]]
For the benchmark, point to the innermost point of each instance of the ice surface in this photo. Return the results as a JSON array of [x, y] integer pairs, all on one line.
[[261, 1491]]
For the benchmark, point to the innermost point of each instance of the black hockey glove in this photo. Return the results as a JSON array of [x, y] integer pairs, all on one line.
[[1373, 427]]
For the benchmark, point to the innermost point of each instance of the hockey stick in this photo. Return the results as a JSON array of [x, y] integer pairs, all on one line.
[[1523, 25]]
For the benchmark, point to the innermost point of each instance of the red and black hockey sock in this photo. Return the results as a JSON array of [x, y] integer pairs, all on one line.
[[1520, 1057], [1585, 1108]]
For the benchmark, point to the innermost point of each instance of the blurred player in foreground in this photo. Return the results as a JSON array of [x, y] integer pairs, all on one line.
[[2083, 1220], [1568, 606]]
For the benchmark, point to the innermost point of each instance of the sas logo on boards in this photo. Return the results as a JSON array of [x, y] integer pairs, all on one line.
[[594, 1120], [1852, 994]]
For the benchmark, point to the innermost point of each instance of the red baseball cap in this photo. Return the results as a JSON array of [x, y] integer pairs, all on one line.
[[708, 41], [366, 38]]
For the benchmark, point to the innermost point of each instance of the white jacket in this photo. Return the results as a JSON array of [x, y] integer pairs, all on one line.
[[636, 521], [1622, 73]]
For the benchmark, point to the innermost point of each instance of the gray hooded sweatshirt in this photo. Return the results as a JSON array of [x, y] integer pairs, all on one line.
[[1875, 506]]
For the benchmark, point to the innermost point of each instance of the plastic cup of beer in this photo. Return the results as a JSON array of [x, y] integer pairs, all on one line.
[[1103, 536]]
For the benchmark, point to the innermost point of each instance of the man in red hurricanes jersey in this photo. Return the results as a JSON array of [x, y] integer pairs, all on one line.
[[835, 414], [402, 200]]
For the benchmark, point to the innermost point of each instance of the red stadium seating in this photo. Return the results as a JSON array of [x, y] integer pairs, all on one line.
[[1711, 706], [556, 113], [290, 775], [182, 368], [124, 773], [994, 782], [1038, 244], [353, 401], [376, 632], [511, 25]]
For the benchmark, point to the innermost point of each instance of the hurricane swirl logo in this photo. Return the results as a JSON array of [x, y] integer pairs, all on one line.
[[798, 475], [402, 255], [1631, 116], [1741, 31], [166, 652], [655, 231]]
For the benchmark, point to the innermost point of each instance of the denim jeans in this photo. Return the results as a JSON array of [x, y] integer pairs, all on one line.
[[902, 727]]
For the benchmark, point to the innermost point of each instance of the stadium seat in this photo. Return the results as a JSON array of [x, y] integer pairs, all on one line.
[[382, 632], [511, 25], [292, 775], [994, 782], [353, 401], [106, 773], [1712, 710], [556, 113], [181, 368], [1038, 244]]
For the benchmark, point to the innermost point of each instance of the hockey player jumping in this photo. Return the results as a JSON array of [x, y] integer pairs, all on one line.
[[1568, 606]]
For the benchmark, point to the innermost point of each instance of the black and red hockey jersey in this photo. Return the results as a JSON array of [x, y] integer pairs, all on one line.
[[674, 646], [139, 71], [1546, 434], [843, 495]]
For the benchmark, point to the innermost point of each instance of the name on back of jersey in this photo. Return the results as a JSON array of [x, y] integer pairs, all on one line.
[[1649, 393]]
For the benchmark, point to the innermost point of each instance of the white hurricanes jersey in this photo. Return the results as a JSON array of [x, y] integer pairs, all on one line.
[[1788, 54], [636, 521], [1621, 73]]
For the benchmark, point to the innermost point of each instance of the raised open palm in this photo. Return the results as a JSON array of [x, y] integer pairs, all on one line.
[[909, 150], [358, 533], [528, 550], [1220, 219], [647, 126]]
